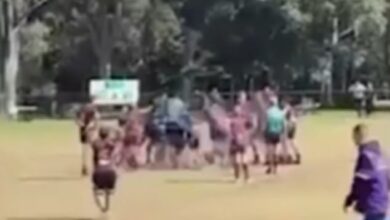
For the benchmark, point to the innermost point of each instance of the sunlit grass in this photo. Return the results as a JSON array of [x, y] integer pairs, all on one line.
[[313, 191]]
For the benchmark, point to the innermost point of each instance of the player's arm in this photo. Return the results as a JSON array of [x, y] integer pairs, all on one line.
[[146, 110]]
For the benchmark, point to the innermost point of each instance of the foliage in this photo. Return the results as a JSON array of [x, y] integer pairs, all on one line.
[[76, 40]]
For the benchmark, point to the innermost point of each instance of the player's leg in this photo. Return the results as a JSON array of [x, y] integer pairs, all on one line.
[[297, 153], [245, 165], [361, 107], [293, 146], [104, 183], [84, 167], [197, 158], [271, 157], [84, 151], [255, 149], [276, 142], [270, 152], [284, 155], [235, 163]]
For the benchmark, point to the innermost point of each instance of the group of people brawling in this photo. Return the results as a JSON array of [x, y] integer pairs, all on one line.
[[259, 122], [271, 123], [274, 125]]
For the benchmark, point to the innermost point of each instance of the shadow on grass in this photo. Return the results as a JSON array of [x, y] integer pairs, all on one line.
[[200, 181], [53, 218], [49, 178]]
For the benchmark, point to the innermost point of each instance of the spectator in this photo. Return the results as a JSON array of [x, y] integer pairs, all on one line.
[[369, 190], [358, 91]]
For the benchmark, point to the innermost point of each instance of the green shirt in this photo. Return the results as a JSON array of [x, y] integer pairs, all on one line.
[[275, 120]]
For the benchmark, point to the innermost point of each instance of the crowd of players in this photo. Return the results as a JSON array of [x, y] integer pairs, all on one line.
[[133, 141], [275, 124]]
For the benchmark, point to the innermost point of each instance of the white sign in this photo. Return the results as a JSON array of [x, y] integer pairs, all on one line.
[[114, 92]]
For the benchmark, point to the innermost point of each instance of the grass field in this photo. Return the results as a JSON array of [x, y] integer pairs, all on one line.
[[39, 171]]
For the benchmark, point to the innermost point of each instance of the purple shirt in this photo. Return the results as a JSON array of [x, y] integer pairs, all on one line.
[[369, 191]]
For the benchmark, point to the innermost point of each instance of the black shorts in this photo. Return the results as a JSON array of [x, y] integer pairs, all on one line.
[[83, 135], [272, 138], [152, 131], [176, 136], [104, 179], [291, 132]]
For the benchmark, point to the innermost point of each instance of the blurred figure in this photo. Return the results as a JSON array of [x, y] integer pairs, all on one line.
[[155, 126], [104, 176], [216, 97], [358, 91], [178, 125], [269, 95], [386, 90], [289, 136], [251, 116], [240, 141], [370, 96], [87, 120], [133, 139], [370, 187], [275, 126]]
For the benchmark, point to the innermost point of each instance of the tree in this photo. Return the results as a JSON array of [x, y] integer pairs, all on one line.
[[34, 46], [342, 29], [253, 32], [15, 14], [128, 36]]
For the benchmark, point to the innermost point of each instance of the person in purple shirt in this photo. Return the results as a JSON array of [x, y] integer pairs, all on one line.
[[369, 190]]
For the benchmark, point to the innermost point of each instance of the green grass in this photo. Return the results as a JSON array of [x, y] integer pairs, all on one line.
[[40, 166]]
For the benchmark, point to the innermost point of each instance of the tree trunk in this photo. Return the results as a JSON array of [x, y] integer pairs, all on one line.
[[335, 41], [386, 49], [11, 61], [11, 72], [3, 51], [191, 45]]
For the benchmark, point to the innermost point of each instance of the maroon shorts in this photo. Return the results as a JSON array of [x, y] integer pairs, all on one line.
[[237, 148], [272, 138], [104, 178]]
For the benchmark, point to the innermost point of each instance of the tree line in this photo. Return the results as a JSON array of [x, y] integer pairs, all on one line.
[[305, 44]]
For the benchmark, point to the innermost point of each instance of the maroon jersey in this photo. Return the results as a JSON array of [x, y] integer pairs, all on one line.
[[239, 130], [102, 150], [87, 115]]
